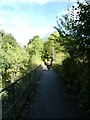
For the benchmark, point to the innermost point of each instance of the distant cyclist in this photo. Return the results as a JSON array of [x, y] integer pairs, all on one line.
[[48, 64]]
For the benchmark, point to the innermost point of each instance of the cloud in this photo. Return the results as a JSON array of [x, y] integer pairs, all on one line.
[[22, 23], [48, 29], [25, 1], [23, 34], [37, 1], [22, 30], [20, 20], [19, 28]]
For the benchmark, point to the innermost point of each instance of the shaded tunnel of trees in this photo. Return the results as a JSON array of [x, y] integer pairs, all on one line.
[[69, 46]]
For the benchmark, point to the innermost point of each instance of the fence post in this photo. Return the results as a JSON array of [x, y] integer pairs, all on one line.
[[13, 95], [35, 75]]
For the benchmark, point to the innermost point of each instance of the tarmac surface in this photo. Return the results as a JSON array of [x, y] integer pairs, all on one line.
[[51, 100]]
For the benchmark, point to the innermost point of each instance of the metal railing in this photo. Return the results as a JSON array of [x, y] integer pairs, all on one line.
[[15, 95]]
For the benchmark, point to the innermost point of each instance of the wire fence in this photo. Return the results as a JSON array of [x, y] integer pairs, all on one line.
[[15, 95]]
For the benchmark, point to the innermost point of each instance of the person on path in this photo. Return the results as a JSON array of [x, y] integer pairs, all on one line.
[[48, 64]]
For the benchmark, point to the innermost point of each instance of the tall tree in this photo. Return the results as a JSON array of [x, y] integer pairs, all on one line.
[[76, 42], [34, 48]]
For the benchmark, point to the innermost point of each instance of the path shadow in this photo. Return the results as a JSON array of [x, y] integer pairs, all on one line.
[[51, 100]]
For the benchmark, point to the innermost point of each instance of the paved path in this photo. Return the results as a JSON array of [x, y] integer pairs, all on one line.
[[51, 100]]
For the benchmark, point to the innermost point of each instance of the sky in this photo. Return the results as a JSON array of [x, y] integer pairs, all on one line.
[[27, 18]]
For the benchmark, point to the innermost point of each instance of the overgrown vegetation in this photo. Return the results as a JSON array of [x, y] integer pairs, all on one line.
[[75, 41], [16, 60]]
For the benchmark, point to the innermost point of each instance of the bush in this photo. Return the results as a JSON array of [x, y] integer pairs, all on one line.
[[77, 80], [56, 67]]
